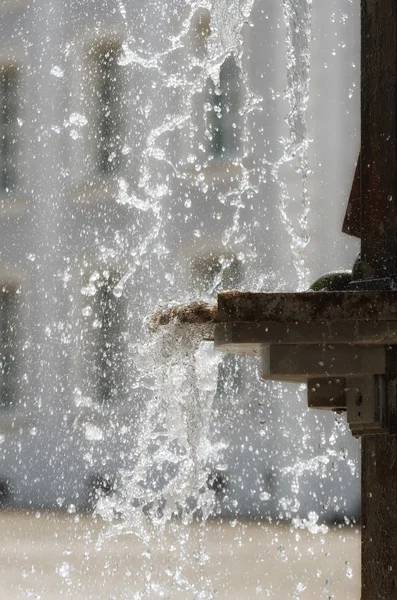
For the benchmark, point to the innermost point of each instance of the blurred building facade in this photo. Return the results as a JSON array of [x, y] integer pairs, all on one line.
[[129, 179]]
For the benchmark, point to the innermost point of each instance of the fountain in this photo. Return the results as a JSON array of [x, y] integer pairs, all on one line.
[[136, 417], [341, 341]]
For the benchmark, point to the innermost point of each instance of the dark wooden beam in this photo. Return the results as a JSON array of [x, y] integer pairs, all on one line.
[[378, 136], [306, 307], [378, 199], [379, 517]]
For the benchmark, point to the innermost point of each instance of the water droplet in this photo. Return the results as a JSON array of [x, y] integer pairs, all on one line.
[[117, 291], [87, 311], [57, 72]]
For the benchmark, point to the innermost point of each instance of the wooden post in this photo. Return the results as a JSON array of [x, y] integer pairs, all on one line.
[[378, 136], [379, 251], [379, 517]]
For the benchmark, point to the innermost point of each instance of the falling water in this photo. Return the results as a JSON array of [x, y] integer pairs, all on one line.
[[297, 18], [184, 220], [166, 488]]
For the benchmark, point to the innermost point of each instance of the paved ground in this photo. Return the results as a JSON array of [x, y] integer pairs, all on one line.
[[51, 556]]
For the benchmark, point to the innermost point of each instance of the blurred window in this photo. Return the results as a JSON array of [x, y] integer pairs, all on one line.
[[8, 345], [108, 90], [224, 121], [222, 101], [201, 33], [106, 347], [8, 127], [212, 275]]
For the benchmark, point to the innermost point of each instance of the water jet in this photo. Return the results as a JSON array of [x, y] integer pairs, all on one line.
[[343, 343]]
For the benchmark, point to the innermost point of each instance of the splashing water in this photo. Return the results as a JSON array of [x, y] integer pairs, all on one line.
[[168, 477], [166, 485], [161, 169], [297, 20], [167, 489], [184, 220], [176, 435]]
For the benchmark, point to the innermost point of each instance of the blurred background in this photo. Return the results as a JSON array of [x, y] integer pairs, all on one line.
[[153, 153]]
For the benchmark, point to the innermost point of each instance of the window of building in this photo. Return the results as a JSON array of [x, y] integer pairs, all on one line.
[[99, 486], [220, 121], [223, 116], [201, 32], [8, 345], [212, 275], [108, 92], [105, 347], [8, 128], [218, 482]]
